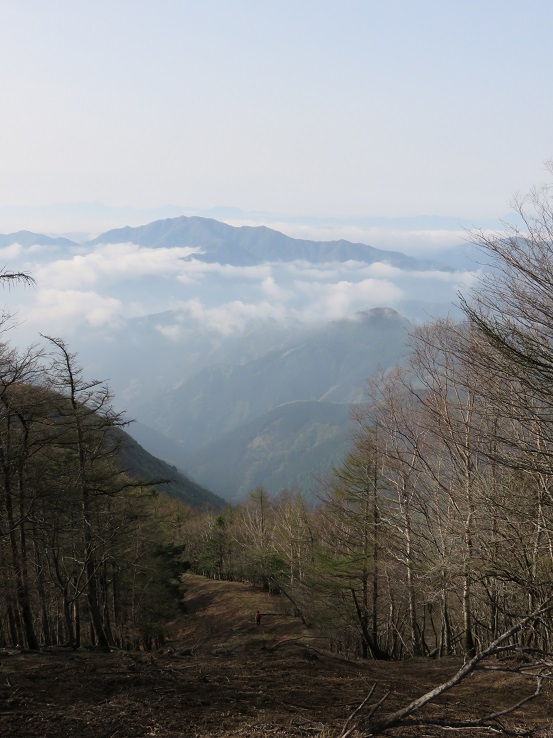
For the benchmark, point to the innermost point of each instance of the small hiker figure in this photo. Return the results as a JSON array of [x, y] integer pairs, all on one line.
[[258, 618]]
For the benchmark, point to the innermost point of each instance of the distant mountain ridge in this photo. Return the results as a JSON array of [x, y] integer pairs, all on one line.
[[28, 238], [247, 245], [211, 357], [220, 242]]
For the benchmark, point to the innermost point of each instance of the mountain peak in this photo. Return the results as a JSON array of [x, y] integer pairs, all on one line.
[[248, 245]]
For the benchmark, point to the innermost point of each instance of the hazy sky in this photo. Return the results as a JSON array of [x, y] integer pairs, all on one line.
[[335, 108]]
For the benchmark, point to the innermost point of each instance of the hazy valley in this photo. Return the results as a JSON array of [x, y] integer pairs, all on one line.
[[232, 347]]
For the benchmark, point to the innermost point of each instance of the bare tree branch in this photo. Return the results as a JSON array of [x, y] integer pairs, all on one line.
[[11, 278], [402, 716]]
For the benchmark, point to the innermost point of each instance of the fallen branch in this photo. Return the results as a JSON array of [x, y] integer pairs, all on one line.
[[346, 731], [402, 717], [489, 722]]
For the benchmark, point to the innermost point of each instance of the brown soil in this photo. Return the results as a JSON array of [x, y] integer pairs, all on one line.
[[224, 676]]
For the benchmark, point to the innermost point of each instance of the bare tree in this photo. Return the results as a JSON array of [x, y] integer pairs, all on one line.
[[511, 311], [86, 420]]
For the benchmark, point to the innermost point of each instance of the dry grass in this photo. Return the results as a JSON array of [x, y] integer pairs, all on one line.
[[224, 676]]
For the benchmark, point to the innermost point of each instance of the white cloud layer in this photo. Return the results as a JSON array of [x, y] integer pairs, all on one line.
[[62, 309], [111, 263], [103, 285]]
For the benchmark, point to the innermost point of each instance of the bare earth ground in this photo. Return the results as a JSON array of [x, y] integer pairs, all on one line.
[[224, 676]]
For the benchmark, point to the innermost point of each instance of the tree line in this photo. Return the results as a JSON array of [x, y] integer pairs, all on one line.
[[85, 558]]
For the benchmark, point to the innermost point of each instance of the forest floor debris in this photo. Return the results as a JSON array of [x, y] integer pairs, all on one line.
[[223, 675]]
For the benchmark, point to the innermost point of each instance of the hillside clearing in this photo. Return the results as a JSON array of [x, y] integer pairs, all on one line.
[[221, 675]]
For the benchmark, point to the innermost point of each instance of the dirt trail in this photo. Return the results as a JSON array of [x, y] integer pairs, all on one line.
[[222, 675], [223, 614]]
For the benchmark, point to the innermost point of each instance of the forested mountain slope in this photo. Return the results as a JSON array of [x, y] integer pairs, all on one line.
[[282, 418], [142, 465], [330, 363], [288, 446]]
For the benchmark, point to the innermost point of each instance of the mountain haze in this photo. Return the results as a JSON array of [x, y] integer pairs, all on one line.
[[289, 446], [203, 330], [142, 465], [331, 363], [282, 418]]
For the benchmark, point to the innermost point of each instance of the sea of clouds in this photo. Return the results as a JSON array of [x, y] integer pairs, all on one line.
[[103, 286]]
